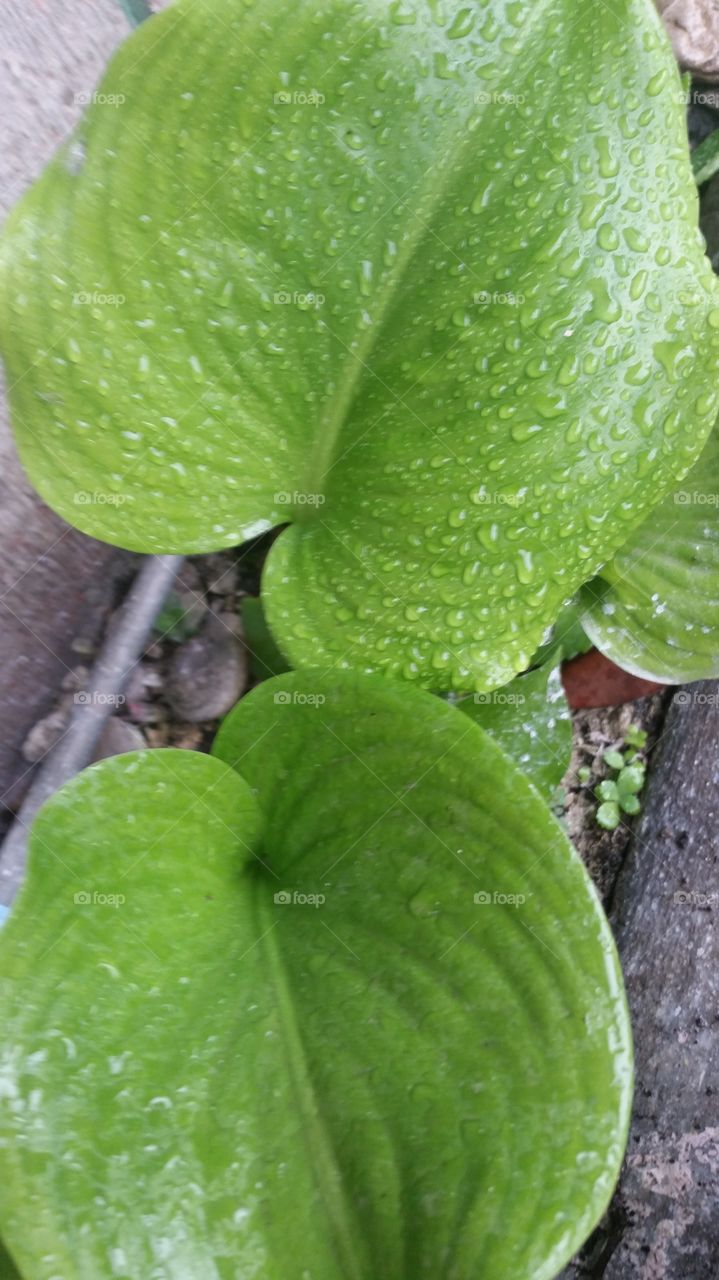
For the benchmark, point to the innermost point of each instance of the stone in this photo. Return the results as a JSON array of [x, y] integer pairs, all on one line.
[[208, 673], [117, 737]]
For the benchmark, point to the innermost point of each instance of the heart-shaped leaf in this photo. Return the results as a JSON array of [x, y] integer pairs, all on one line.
[[333, 267], [530, 719], [368, 1023], [655, 609]]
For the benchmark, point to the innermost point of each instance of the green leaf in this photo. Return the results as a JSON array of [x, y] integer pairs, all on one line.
[[175, 621], [608, 815], [458, 336], [635, 736], [705, 158], [265, 657], [380, 1032], [630, 779], [567, 638], [655, 609], [614, 759], [530, 720], [607, 790], [630, 803]]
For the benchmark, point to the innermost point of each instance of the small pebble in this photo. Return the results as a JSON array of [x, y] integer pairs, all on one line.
[[45, 734], [208, 673], [117, 737], [83, 645]]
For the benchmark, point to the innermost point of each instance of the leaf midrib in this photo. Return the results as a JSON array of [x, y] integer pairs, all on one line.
[[325, 1167], [431, 192]]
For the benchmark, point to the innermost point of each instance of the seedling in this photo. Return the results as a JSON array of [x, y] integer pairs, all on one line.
[[620, 794]]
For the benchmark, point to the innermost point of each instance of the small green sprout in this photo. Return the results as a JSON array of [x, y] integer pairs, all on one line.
[[607, 790], [614, 759], [631, 779], [608, 816], [636, 737], [584, 774], [619, 794], [175, 621]]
